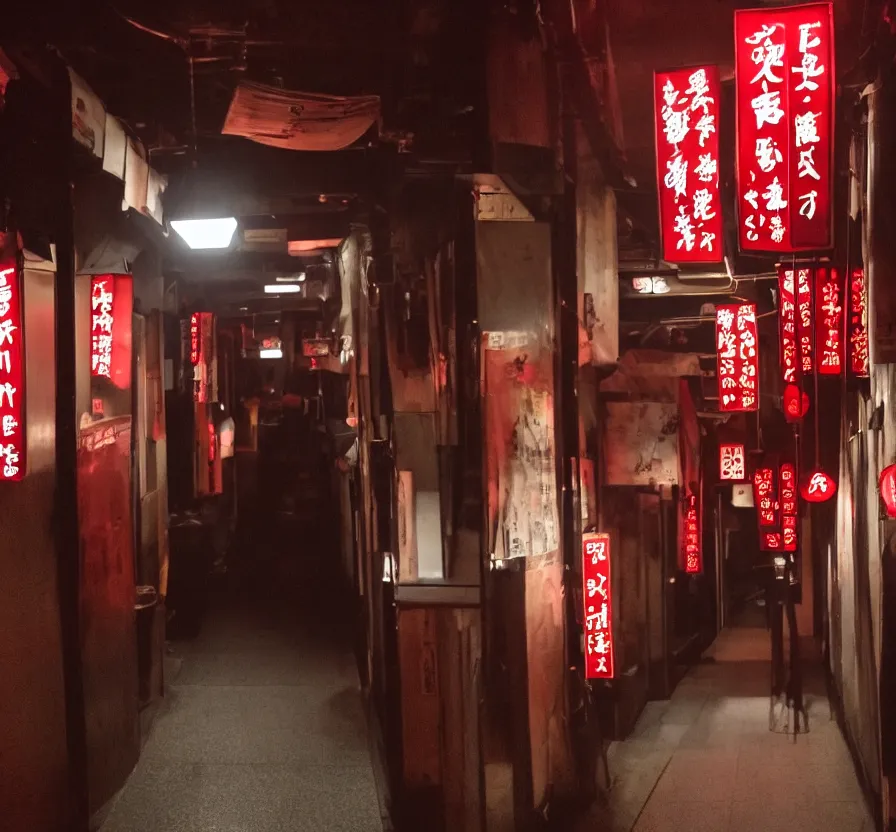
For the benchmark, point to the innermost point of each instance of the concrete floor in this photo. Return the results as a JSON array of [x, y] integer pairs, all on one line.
[[705, 760], [262, 729]]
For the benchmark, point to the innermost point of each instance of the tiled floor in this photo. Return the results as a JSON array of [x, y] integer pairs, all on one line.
[[705, 760], [262, 729]]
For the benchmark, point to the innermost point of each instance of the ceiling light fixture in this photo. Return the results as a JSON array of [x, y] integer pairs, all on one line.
[[296, 278], [272, 353], [206, 234], [282, 288]]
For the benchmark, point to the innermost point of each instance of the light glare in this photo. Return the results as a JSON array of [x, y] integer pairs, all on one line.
[[282, 288], [206, 234], [272, 353]]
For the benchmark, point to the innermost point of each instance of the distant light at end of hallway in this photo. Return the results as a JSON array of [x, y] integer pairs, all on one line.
[[207, 233], [274, 353], [282, 288]]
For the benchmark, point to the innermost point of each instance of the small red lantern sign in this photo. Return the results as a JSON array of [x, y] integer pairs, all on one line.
[[598, 598], [732, 463], [804, 318], [687, 103], [818, 487], [693, 553], [829, 321], [887, 486], [788, 505], [737, 350], [12, 375], [790, 363]]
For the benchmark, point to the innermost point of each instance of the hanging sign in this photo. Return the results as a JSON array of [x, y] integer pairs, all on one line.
[[784, 72], [111, 311], [732, 463], [887, 486], [765, 497], [693, 554], [818, 487], [12, 374], [788, 504], [790, 363], [598, 598], [686, 103], [857, 330], [828, 321], [805, 327], [796, 403], [738, 357], [195, 337]]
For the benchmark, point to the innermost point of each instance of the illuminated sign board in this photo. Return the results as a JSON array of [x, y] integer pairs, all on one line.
[[737, 349], [12, 374], [598, 606]]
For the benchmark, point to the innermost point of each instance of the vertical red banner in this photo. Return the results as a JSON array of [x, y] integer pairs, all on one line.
[[784, 69], [686, 107], [765, 496], [195, 338], [111, 328], [598, 606], [13, 440], [857, 324], [788, 505], [805, 328], [790, 363], [693, 549], [737, 349], [828, 321]]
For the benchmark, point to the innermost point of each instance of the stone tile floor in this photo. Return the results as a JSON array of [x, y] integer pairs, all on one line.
[[262, 730], [705, 760]]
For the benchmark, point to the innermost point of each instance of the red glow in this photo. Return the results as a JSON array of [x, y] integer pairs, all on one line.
[[789, 508], [195, 338], [13, 444], [818, 487], [693, 554], [111, 305], [784, 66], [793, 401], [738, 357], [598, 598], [765, 496], [857, 333], [686, 106], [732, 463], [829, 321], [790, 365], [887, 486], [804, 318]]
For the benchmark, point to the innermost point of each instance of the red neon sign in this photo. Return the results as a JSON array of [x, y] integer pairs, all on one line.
[[788, 503], [111, 309], [765, 496], [857, 333], [887, 486], [732, 463], [598, 597], [818, 487], [693, 554], [784, 69], [195, 338], [790, 364], [829, 321], [13, 462], [686, 106], [804, 317], [738, 357]]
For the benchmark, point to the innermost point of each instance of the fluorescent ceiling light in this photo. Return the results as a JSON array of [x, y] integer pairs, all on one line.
[[203, 234], [282, 288], [275, 353], [297, 278]]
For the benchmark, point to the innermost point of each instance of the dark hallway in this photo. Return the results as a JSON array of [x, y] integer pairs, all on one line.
[[263, 726]]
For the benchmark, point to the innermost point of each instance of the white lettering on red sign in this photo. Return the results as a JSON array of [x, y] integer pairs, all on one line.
[[598, 606], [687, 142], [785, 105], [102, 303], [737, 349], [693, 551], [790, 364], [829, 321], [732, 463], [12, 376], [857, 334]]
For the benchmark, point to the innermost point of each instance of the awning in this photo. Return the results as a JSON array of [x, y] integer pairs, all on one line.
[[298, 120]]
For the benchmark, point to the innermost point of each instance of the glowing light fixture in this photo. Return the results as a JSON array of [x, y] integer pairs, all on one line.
[[818, 487], [275, 352], [299, 278], [206, 234], [282, 288], [887, 486]]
